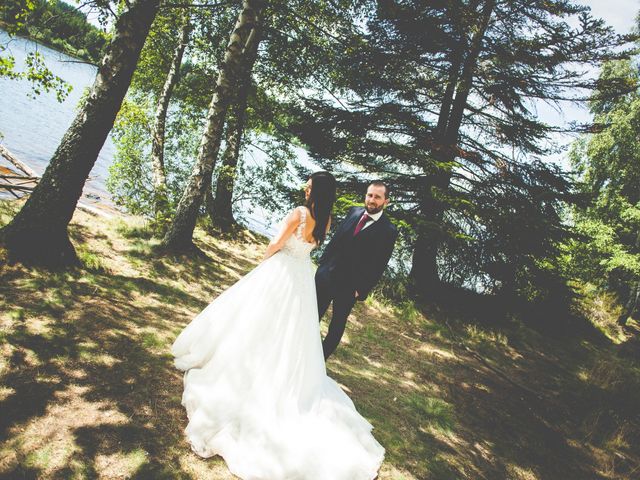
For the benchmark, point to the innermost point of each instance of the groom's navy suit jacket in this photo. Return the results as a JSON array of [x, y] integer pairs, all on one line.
[[351, 263]]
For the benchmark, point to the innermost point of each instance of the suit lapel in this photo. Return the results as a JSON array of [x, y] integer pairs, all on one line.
[[350, 223], [376, 225], [371, 228]]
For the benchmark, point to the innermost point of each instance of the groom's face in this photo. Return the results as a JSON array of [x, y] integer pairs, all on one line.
[[375, 199]]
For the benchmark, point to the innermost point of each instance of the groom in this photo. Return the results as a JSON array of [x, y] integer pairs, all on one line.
[[354, 260]]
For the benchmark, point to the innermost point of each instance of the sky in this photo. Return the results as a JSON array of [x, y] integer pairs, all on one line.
[[620, 14]]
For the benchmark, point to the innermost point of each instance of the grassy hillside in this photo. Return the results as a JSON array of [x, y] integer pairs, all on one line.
[[88, 388]]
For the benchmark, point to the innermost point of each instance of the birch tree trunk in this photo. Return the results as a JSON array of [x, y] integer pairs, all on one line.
[[180, 233], [424, 269], [38, 233], [222, 211], [161, 200]]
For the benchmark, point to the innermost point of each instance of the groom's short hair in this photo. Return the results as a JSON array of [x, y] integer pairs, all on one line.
[[380, 183]]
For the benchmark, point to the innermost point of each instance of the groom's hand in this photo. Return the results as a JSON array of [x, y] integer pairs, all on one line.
[[356, 294]]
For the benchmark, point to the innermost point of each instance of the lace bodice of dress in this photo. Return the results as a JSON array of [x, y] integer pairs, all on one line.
[[296, 245]]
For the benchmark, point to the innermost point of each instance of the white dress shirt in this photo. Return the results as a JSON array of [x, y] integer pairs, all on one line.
[[373, 217]]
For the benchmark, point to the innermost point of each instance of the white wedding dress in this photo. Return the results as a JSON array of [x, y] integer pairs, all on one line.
[[256, 389]]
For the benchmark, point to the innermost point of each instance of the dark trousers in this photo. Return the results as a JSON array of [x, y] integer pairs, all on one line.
[[343, 300]]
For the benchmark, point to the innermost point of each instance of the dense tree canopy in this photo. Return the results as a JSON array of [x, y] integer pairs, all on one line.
[[608, 165], [437, 98], [57, 24]]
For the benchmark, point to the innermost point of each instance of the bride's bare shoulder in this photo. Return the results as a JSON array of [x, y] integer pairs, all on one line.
[[303, 210]]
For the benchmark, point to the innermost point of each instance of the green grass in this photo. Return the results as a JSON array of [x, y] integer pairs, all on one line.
[[134, 229], [602, 308], [151, 340], [17, 314], [89, 389], [89, 260], [433, 411]]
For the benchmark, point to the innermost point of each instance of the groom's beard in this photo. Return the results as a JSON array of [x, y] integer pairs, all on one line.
[[371, 210]]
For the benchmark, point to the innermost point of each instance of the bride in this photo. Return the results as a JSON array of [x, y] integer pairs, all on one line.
[[256, 389]]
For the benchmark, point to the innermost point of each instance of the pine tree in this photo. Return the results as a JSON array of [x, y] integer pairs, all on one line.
[[439, 100]]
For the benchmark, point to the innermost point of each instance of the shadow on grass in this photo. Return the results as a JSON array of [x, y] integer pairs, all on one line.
[[85, 363], [92, 331], [89, 352], [515, 411]]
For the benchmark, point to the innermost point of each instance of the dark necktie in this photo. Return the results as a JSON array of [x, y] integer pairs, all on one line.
[[361, 224]]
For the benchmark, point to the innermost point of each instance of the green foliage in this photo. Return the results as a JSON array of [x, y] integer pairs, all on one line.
[[42, 78], [264, 177], [156, 56], [37, 73], [53, 23], [57, 24], [129, 181], [7, 65], [607, 251], [378, 110]]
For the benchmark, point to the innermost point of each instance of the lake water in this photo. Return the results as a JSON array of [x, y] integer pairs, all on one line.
[[32, 127]]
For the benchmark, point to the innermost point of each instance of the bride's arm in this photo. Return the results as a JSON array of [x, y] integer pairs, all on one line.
[[290, 223]]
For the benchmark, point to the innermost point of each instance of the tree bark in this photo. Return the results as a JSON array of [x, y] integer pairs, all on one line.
[[424, 275], [38, 233], [180, 233], [222, 211], [161, 200], [631, 306], [208, 203]]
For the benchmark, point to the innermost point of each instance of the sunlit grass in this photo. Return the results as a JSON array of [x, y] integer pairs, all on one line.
[[602, 309], [151, 340], [90, 260], [89, 389], [134, 228]]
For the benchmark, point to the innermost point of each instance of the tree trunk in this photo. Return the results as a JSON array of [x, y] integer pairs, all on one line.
[[631, 306], [161, 200], [222, 214], [424, 269], [179, 235], [209, 203], [457, 55], [38, 233]]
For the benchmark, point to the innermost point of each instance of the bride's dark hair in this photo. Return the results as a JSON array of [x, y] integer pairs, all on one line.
[[320, 202]]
